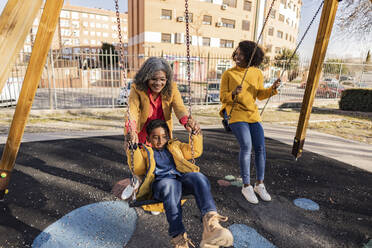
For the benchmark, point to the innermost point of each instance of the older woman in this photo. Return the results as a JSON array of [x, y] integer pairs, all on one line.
[[153, 95]]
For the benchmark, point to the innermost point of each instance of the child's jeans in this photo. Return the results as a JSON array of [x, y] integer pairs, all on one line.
[[169, 191], [248, 134]]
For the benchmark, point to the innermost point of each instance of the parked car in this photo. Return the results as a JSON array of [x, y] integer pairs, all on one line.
[[348, 84], [10, 93], [184, 90], [346, 78], [123, 95], [213, 98], [213, 91], [328, 90]]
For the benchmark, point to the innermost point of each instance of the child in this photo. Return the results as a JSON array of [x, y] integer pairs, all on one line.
[[245, 119], [166, 174]]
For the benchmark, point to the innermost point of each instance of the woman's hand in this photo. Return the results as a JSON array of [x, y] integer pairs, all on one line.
[[237, 91], [192, 126], [132, 138], [276, 84]]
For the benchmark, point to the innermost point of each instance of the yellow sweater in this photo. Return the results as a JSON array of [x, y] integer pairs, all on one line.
[[245, 109]]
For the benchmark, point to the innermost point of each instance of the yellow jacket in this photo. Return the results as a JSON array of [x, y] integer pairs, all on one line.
[[139, 106], [144, 165], [245, 109]]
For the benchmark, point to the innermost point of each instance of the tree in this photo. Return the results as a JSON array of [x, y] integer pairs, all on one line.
[[104, 53], [333, 67], [355, 18], [282, 60]]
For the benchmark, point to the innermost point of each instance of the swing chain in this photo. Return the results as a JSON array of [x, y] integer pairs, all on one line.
[[293, 54], [188, 74], [252, 55], [123, 81]]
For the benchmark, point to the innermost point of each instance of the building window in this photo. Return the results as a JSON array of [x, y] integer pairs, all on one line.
[[65, 14], [279, 34], [64, 23], [271, 31], [283, 2], [166, 14], [247, 5], [178, 38], [245, 25], [207, 20], [75, 15], [228, 23], [85, 15], [273, 13], [281, 17], [227, 43], [230, 3], [269, 48], [191, 17], [286, 36], [165, 38], [206, 41]]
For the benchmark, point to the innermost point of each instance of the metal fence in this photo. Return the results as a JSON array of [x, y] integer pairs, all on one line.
[[91, 79]]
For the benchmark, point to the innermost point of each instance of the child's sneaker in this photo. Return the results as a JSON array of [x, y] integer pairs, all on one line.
[[214, 235], [155, 212], [249, 194], [261, 191], [182, 241]]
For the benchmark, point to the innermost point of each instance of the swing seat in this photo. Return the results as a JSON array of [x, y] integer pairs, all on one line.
[[153, 201]]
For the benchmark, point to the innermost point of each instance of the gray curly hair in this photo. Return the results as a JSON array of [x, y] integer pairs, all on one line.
[[147, 71]]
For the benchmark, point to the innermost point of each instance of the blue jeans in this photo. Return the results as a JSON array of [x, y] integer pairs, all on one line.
[[248, 134], [169, 191]]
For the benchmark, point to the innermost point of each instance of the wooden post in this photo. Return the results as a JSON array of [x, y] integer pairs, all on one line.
[[320, 49], [35, 67], [15, 23]]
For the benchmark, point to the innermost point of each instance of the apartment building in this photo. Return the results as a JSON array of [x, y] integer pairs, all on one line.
[[83, 27], [282, 27], [217, 26]]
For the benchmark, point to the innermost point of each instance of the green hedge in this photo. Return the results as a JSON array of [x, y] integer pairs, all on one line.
[[356, 100]]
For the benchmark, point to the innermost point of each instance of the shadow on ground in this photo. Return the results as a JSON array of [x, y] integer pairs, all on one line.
[[55, 177]]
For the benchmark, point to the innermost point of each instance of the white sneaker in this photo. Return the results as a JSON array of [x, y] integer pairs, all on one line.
[[155, 212], [249, 194], [261, 191]]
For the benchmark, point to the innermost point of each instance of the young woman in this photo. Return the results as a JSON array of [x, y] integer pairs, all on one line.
[[245, 118], [153, 95]]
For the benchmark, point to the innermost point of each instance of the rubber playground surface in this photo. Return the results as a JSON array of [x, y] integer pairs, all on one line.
[[59, 196]]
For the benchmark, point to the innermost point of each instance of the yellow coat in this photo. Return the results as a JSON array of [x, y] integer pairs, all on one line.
[[245, 109], [144, 165], [139, 105]]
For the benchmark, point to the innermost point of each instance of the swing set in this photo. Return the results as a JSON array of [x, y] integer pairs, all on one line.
[[15, 23]]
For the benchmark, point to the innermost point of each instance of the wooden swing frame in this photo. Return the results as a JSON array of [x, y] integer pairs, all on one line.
[[13, 30]]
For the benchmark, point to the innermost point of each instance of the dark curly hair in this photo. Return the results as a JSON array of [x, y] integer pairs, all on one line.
[[155, 124], [147, 71], [247, 47]]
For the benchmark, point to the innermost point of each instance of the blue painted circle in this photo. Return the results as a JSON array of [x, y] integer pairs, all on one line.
[[306, 204], [104, 224], [245, 236]]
